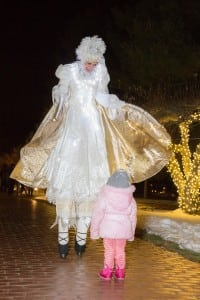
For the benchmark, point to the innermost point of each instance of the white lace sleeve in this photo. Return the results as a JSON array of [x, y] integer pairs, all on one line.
[[104, 78], [103, 97], [60, 92]]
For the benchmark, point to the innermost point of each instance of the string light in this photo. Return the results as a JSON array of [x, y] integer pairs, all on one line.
[[184, 168]]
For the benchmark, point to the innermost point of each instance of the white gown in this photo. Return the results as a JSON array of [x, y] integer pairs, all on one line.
[[78, 166], [95, 133]]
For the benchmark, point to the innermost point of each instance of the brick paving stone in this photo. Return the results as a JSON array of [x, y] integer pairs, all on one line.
[[31, 268]]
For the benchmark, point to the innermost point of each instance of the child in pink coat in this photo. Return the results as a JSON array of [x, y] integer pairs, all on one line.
[[114, 219]]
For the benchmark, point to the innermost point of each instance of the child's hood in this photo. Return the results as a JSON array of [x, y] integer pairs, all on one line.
[[118, 198]]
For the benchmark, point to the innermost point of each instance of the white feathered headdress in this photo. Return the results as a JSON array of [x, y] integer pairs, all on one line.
[[91, 49]]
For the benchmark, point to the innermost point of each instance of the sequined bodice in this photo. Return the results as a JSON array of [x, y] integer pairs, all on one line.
[[83, 86]]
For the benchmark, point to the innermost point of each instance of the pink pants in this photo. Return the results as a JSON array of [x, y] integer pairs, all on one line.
[[114, 253]]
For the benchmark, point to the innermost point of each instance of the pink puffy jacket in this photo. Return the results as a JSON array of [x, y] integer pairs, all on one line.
[[114, 214]]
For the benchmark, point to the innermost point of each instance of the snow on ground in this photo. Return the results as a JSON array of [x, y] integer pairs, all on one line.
[[172, 225], [175, 226]]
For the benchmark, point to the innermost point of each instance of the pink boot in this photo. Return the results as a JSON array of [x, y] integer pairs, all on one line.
[[120, 274], [106, 273]]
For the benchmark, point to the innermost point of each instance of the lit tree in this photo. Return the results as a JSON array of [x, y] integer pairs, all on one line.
[[184, 168]]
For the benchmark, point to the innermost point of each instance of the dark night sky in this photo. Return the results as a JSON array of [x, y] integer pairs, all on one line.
[[35, 39]]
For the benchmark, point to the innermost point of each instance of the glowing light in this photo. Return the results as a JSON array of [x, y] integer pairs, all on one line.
[[184, 168]]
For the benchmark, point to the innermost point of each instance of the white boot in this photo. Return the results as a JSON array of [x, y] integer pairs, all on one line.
[[81, 234], [63, 237]]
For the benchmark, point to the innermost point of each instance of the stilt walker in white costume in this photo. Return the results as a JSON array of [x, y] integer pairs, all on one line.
[[87, 135]]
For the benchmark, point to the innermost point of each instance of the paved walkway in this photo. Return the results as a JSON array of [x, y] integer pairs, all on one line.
[[31, 268]]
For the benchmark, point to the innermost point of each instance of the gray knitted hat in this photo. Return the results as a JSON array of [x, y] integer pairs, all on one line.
[[119, 179]]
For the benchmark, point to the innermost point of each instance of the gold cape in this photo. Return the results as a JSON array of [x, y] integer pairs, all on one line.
[[135, 141]]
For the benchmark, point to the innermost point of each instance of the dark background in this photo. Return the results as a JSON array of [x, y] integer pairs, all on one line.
[[35, 38]]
